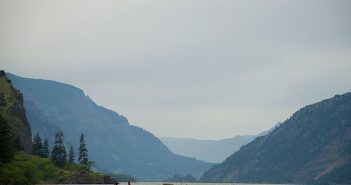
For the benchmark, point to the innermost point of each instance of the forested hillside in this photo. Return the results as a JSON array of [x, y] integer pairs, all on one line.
[[313, 145]]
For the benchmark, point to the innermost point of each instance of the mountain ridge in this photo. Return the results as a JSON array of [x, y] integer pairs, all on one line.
[[311, 146], [114, 144]]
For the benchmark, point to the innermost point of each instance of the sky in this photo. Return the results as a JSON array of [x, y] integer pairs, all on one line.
[[205, 69]]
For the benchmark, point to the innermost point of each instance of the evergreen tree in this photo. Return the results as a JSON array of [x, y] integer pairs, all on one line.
[[58, 154], [18, 145], [83, 152], [7, 145], [45, 149], [37, 145], [71, 155]]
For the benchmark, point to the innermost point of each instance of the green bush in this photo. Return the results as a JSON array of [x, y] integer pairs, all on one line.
[[28, 169]]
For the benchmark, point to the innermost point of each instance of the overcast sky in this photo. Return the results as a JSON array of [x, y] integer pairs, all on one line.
[[185, 68]]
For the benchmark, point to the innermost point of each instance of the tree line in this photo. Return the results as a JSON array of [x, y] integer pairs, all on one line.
[[9, 147], [58, 153], [44, 166]]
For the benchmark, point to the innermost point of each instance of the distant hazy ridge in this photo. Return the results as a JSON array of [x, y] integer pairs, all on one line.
[[214, 151]]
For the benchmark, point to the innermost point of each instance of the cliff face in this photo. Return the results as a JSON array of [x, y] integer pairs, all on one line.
[[12, 109], [313, 145], [113, 143]]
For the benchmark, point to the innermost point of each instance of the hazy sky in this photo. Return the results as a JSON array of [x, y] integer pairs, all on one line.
[[185, 68]]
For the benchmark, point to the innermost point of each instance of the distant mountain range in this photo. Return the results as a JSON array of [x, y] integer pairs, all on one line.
[[114, 144], [312, 146], [213, 151]]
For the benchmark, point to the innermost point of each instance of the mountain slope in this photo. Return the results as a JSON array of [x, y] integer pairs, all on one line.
[[214, 151], [313, 145], [114, 144], [11, 108]]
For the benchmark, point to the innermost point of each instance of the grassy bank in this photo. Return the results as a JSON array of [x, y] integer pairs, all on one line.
[[29, 169]]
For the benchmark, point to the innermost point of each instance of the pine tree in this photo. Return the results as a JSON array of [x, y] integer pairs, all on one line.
[[71, 155], [18, 145], [7, 145], [83, 152], [58, 154], [37, 145], [45, 149]]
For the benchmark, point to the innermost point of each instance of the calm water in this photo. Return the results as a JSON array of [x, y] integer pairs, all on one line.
[[176, 183]]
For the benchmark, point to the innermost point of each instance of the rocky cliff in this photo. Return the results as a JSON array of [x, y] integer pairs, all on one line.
[[12, 109]]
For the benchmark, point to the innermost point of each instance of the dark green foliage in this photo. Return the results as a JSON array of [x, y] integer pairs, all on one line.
[[37, 145], [58, 154], [314, 140], [18, 145], [71, 155], [45, 152], [7, 147], [83, 152], [40, 149], [28, 169]]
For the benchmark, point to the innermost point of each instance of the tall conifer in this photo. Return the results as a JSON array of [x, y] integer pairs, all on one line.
[[71, 155], [7, 146], [45, 150], [58, 154], [37, 145], [83, 152]]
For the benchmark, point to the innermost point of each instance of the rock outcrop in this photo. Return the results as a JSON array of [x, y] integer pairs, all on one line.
[[12, 109]]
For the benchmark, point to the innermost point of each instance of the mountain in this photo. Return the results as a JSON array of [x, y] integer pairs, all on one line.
[[213, 151], [312, 146], [114, 144], [11, 108]]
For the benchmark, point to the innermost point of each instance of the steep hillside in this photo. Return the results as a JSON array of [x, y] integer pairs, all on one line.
[[313, 145], [11, 108], [214, 151], [114, 144]]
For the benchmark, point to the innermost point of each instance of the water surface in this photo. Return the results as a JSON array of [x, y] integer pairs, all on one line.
[[179, 183]]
